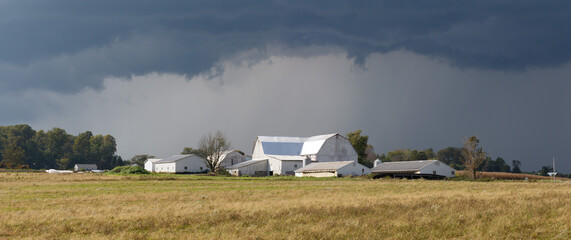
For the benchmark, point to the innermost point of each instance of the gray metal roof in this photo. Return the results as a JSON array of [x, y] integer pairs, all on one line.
[[173, 158], [324, 166], [402, 166], [246, 163]]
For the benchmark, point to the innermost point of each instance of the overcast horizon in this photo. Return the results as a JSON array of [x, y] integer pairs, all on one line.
[[410, 74]]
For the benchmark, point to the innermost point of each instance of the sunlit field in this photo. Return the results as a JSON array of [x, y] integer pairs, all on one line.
[[73, 206]]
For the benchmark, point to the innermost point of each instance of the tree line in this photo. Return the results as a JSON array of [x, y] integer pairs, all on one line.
[[469, 157], [23, 147]]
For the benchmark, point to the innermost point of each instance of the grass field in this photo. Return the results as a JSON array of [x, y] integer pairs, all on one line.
[[72, 206]]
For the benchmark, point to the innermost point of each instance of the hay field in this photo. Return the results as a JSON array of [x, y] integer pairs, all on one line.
[[79, 206]]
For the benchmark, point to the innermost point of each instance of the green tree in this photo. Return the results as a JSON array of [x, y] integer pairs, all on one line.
[[82, 148], [544, 170], [190, 150], [473, 156], [140, 159], [452, 156], [516, 164], [360, 144]]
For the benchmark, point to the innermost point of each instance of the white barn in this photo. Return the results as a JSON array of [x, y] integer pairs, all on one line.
[[230, 158], [333, 169], [432, 169], [84, 167], [287, 154], [179, 164]]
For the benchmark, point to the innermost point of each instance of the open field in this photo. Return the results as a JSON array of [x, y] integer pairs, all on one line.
[[49, 206]]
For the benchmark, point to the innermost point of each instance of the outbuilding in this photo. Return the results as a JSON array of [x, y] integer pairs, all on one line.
[[84, 167], [230, 158], [333, 169], [254, 168], [181, 164], [150, 164], [431, 169]]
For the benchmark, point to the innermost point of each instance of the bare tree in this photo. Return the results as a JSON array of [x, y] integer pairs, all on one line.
[[212, 147], [473, 156]]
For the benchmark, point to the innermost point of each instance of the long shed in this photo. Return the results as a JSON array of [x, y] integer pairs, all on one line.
[[432, 169], [333, 169], [181, 164]]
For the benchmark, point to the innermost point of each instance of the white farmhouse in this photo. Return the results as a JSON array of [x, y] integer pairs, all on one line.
[[284, 155], [180, 164], [333, 169], [432, 169]]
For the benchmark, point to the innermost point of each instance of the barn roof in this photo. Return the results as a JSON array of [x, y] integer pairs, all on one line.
[[402, 166], [277, 145], [173, 158], [246, 163], [324, 166]]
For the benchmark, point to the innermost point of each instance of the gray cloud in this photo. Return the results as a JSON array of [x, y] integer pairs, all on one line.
[[68, 45]]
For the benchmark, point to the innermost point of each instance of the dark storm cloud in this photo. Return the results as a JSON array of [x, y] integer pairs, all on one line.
[[68, 45]]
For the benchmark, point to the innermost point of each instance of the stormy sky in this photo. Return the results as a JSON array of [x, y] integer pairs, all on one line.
[[158, 75]]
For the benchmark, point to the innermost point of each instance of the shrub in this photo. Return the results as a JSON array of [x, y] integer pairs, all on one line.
[[129, 170]]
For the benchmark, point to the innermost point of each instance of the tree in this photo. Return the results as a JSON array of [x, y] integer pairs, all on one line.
[[473, 156], [359, 144], [212, 147], [189, 150], [140, 159], [544, 170], [516, 164]]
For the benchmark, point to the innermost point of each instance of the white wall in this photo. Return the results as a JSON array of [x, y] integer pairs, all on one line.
[[441, 169], [354, 169], [190, 164], [288, 167], [258, 151], [169, 167], [251, 169], [317, 174]]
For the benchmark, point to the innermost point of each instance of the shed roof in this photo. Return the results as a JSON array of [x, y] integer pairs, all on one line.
[[246, 163], [402, 166], [173, 158], [324, 166]]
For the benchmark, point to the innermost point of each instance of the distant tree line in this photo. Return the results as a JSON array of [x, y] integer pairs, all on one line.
[[452, 156], [23, 147]]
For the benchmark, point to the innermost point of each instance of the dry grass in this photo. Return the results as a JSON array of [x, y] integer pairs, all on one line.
[[72, 206], [512, 176]]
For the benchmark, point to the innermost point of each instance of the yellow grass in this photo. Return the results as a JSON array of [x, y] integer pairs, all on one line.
[[78, 206]]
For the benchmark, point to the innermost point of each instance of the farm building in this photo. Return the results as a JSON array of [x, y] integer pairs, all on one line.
[[84, 167], [230, 158], [287, 154], [432, 169], [150, 164], [179, 164], [333, 169], [254, 168]]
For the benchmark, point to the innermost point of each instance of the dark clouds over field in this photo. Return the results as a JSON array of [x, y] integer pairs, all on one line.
[[498, 69]]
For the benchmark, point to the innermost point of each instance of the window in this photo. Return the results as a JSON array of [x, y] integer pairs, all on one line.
[[200, 168], [452, 173], [295, 165], [185, 167], [433, 172]]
